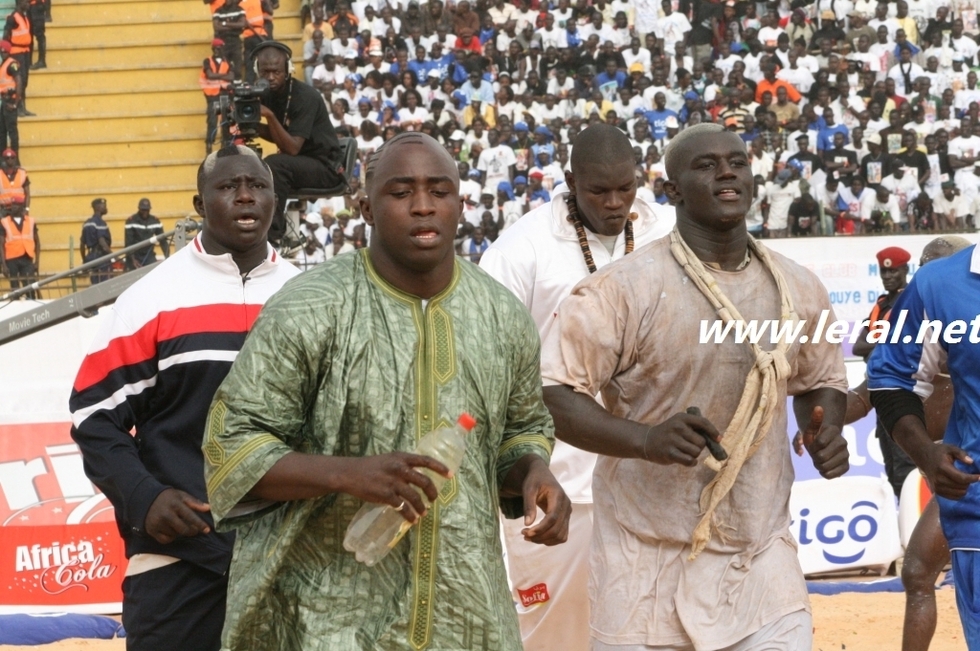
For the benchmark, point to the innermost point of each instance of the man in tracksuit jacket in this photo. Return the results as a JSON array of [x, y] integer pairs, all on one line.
[[141, 398]]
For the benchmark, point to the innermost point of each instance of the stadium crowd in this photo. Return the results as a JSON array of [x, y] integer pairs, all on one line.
[[860, 117]]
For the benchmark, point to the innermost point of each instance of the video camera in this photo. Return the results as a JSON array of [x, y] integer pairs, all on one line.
[[242, 108]]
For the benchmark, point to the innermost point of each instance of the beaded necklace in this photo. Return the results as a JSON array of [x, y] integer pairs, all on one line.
[[583, 238]]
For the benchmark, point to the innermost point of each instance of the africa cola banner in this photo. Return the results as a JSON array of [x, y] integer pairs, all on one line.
[[59, 548]]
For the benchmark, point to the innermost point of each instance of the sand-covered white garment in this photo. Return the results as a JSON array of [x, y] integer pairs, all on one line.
[[631, 332]]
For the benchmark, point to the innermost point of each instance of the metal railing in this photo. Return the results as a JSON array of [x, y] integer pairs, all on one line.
[[65, 282]]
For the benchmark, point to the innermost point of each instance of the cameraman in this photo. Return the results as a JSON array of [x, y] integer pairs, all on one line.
[[298, 122]]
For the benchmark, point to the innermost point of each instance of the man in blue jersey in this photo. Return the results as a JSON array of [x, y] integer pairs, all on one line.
[[936, 320]]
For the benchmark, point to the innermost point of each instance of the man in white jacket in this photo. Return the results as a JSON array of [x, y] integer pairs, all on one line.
[[592, 220]]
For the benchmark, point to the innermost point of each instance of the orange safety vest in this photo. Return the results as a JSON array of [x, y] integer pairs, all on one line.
[[18, 242], [877, 313], [20, 36], [10, 188], [8, 83], [213, 87], [256, 21]]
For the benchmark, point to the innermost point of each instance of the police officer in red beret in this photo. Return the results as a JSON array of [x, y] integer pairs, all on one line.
[[893, 267]]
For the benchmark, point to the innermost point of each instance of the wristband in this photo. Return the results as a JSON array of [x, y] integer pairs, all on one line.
[[894, 404]]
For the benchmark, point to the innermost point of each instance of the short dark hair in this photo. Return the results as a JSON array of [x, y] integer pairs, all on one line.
[[207, 165]]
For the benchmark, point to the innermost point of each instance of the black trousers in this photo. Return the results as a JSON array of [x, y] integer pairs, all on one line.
[[290, 173], [212, 109], [24, 64], [898, 465], [9, 135], [22, 273], [36, 15], [251, 43], [98, 274], [232, 52], [178, 606]]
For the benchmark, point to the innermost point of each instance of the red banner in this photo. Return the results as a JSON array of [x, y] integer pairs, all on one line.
[[59, 549]]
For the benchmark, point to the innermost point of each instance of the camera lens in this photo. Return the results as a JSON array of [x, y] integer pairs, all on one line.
[[248, 112]]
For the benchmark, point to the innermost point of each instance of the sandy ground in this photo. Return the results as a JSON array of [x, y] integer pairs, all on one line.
[[852, 621]]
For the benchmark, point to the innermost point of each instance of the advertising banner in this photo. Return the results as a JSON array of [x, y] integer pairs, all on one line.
[[843, 524], [59, 548]]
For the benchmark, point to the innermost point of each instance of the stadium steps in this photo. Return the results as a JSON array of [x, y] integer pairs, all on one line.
[[84, 103], [119, 113]]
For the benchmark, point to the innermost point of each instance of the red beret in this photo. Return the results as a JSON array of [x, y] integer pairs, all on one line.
[[893, 256], [217, 43], [5, 46]]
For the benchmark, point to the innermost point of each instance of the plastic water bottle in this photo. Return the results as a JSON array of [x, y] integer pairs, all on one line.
[[377, 528]]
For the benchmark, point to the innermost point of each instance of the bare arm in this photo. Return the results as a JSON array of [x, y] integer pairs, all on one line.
[[210, 74], [582, 422], [935, 460], [959, 162], [275, 132], [862, 347]]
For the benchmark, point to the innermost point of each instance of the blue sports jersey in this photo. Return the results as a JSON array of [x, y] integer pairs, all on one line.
[[945, 291]]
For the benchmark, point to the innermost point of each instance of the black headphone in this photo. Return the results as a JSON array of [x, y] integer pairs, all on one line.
[[282, 47]]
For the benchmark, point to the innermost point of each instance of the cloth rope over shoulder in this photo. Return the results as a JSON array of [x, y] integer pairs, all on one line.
[[583, 238], [757, 406]]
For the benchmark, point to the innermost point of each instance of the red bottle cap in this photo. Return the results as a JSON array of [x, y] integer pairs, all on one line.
[[466, 421]]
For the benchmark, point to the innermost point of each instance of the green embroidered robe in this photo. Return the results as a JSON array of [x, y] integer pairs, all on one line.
[[342, 363]]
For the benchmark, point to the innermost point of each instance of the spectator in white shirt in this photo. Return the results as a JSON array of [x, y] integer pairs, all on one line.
[[621, 32], [551, 35], [469, 188], [886, 215], [327, 72], [636, 54], [501, 12], [963, 43], [496, 162], [561, 83], [525, 15], [968, 95], [672, 28], [905, 72], [770, 32], [596, 27], [800, 78], [881, 19], [339, 246], [314, 231], [310, 255], [903, 185], [780, 196], [951, 208]]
